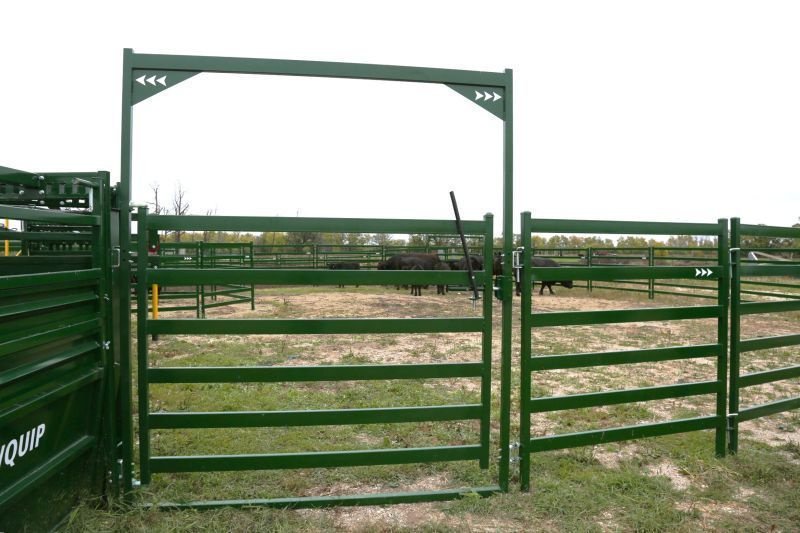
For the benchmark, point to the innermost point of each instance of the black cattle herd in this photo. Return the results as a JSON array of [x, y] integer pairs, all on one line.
[[420, 261]]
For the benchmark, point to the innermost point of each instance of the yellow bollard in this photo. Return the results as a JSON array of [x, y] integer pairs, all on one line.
[[155, 301]]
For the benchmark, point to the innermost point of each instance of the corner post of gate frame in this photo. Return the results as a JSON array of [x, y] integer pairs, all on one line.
[[735, 335], [723, 291], [124, 276], [506, 286], [525, 355]]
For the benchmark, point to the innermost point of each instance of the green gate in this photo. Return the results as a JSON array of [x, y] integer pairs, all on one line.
[[145, 76], [158, 421], [530, 363], [57, 429], [769, 285]]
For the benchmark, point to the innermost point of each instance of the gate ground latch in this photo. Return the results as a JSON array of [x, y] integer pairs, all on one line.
[[513, 452]]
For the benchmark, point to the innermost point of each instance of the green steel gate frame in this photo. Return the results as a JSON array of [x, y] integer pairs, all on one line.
[[145, 75], [739, 308], [148, 421], [531, 364]]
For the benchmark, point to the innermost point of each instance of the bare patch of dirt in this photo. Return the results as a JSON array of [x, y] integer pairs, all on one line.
[[670, 471]]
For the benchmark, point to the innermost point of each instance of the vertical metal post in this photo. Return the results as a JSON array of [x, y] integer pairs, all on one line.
[[525, 356], [735, 334], [651, 262], [252, 286], [486, 343], [723, 287], [7, 243], [142, 345], [124, 280], [506, 285], [589, 253]]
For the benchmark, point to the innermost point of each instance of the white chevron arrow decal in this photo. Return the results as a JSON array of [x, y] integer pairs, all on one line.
[[151, 80], [140, 79], [162, 80], [478, 95], [496, 96], [487, 96]]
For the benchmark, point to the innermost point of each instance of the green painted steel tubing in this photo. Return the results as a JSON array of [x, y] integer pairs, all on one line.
[[604, 436], [772, 294], [292, 224], [526, 363], [623, 357], [764, 343], [615, 272], [30, 340], [37, 280], [583, 318], [540, 225], [275, 374], [327, 417], [72, 353], [48, 216], [752, 308], [766, 409], [46, 304], [768, 376], [143, 330], [769, 231], [723, 299], [322, 326], [322, 69], [318, 502], [284, 461], [168, 276], [597, 399], [770, 270], [768, 284], [70, 383], [735, 335]]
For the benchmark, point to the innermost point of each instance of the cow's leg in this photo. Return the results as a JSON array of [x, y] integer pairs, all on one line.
[[550, 288], [541, 289]]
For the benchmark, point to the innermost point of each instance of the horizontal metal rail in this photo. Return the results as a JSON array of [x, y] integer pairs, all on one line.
[[317, 502], [578, 318], [540, 225], [45, 304], [169, 276], [580, 360], [322, 69], [751, 308], [283, 461], [765, 343], [37, 280], [603, 436], [275, 374], [325, 225], [613, 273], [597, 399], [327, 417], [309, 326], [779, 406], [48, 215], [768, 376]]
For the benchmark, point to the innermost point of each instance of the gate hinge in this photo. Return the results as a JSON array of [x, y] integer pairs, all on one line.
[[106, 345]]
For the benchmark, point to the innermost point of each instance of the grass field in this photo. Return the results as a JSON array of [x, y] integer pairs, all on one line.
[[668, 483]]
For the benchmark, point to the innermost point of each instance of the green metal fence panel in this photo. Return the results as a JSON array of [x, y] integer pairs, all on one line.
[[777, 271], [57, 434], [479, 451], [593, 272]]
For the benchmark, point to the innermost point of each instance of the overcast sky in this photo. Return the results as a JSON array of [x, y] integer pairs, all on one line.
[[669, 111]]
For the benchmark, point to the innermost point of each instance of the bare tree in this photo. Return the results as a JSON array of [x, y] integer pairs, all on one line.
[[180, 206]]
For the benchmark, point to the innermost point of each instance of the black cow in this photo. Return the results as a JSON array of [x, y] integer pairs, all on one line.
[[537, 262], [344, 265], [475, 260], [442, 289], [545, 262], [411, 262]]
